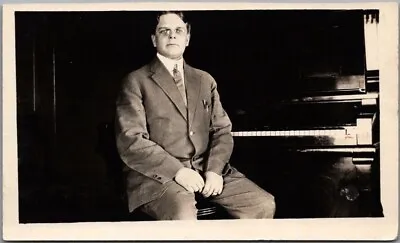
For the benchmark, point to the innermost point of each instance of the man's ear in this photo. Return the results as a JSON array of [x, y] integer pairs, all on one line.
[[153, 39], [188, 40]]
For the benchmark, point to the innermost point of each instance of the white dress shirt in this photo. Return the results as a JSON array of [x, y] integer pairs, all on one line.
[[169, 64]]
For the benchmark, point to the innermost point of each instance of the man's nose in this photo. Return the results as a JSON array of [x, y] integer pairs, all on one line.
[[172, 35]]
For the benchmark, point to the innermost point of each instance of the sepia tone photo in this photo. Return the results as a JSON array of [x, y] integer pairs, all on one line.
[[175, 115]]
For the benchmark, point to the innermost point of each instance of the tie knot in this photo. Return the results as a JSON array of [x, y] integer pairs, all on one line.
[[177, 74], [175, 68]]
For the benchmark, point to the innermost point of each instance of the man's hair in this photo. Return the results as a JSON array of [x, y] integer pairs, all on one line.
[[178, 13]]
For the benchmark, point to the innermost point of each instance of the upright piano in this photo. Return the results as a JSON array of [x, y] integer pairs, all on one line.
[[312, 139]]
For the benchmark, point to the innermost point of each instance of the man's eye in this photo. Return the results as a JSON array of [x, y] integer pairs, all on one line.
[[180, 31], [162, 32]]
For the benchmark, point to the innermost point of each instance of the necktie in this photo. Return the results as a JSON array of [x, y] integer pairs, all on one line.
[[179, 82]]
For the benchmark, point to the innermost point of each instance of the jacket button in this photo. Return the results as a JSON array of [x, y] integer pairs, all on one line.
[[154, 176], [158, 178], [191, 133]]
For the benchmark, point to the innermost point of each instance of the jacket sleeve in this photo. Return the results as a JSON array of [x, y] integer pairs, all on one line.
[[136, 150], [221, 140]]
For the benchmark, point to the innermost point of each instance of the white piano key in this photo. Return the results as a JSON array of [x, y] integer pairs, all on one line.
[[268, 133], [297, 133], [302, 133], [263, 133]]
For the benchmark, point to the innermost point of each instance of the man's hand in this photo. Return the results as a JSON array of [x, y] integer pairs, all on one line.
[[214, 184], [189, 179]]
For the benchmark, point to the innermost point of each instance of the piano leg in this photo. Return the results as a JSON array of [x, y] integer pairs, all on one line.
[[315, 186]]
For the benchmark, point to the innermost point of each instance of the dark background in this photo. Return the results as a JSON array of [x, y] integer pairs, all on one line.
[[69, 67]]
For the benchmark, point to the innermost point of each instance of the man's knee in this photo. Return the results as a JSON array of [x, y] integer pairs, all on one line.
[[268, 207], [265, 208], [183, 211]]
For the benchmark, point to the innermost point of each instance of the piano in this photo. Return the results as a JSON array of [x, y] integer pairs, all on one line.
[[312, 139]]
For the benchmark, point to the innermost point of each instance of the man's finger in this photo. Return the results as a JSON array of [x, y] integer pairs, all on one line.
[[200, 182], [200, 186], [195, 188], [188, 188], [206, 187], [211, 191]]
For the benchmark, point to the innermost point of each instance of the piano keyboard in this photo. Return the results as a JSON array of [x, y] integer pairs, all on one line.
[[287, 133]]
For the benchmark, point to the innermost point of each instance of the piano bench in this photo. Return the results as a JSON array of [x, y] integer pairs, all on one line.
[[206, 210]]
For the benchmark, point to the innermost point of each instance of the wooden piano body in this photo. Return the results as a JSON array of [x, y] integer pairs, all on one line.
[[313, 140]]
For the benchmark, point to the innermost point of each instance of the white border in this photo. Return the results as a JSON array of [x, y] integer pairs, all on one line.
[[277, 229]]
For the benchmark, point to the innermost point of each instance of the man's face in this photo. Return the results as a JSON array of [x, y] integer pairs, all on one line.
[[171, 36]]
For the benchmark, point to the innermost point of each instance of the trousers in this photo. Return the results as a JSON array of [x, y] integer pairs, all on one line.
[[241, 198]]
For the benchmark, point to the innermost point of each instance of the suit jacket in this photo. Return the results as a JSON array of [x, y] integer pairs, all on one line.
[[157, 134]]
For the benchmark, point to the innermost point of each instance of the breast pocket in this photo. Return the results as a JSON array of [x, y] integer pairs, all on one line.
[[206, 109]]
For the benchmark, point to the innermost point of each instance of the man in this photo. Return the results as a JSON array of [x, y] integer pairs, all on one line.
[[175, 137]]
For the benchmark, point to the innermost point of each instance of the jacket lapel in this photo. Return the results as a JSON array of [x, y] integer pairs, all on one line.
[[193, 88], [164, 79]]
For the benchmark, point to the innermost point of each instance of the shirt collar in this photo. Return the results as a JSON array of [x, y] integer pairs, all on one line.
[[169, 63]]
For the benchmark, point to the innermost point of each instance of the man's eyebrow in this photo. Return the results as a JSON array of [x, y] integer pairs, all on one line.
[[166, 27]]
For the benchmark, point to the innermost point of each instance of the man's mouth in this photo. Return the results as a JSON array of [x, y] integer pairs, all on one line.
[[172, 44]]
